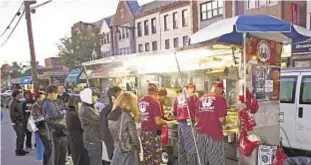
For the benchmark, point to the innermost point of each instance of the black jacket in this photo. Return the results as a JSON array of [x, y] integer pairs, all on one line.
[[16, 112], [64, 97], [104, 130], [72, 120]]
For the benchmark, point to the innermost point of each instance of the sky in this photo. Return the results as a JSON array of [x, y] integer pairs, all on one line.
[[50, 23]]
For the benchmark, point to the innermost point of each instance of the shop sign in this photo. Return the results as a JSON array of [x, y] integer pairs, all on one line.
[[264, 52], [301, 48]]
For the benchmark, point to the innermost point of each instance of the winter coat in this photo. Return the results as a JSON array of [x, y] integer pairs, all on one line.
[[104, 130], [128, 136], [16, 112], [90, 122]]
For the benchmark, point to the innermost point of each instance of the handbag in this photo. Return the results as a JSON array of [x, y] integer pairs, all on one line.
[[124, 146], [31, 125]]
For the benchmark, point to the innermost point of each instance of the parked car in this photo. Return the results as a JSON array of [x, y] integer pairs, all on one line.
[[295, 108]]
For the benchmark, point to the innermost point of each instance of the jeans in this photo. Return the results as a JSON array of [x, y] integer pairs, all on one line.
[[94, 152], [20, 137], [47, 146], [28, 138], [60, 152]]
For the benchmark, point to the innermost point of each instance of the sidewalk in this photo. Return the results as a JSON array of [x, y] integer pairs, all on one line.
[[8, 145]]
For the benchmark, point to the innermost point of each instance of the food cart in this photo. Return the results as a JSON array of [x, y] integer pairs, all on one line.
[[240, 55], [261, 38]]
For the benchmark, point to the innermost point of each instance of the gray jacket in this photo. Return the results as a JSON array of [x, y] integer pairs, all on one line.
[[90, 122], [129, 131]]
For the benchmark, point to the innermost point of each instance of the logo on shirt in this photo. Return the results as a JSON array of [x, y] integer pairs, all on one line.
[[144, 114], [207, 104], [181, 101]]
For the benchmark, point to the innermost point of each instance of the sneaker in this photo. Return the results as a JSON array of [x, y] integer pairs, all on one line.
[[21, 153], [28, 149]]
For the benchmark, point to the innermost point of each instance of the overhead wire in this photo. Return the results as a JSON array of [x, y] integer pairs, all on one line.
[[12, 20], [18, 21]]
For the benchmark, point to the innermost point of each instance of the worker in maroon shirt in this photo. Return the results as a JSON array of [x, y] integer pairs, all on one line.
[[211, 114], [186, 151], [151, 122]]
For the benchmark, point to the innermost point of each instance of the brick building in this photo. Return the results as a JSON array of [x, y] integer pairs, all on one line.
[[165, 25]]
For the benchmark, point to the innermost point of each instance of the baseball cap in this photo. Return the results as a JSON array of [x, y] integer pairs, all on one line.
[[218, 84], [152, 87]]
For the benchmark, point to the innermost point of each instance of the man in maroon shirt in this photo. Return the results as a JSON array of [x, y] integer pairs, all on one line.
[[211, 114], [151, 122], [186, 148]]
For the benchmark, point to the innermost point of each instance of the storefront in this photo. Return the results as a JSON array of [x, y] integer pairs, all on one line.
[[301, 55]]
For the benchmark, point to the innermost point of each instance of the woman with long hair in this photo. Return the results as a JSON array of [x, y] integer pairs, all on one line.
[[123, 130]]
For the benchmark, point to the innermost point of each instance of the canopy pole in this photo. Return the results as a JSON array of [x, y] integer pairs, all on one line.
[[86, 76], [185, 96], [245, 63]]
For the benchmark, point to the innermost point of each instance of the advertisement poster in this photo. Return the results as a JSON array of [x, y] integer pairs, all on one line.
[[263, 52], [266, 82]]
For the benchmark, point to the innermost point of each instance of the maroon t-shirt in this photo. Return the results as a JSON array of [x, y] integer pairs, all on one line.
[[180, 107], [149, 108], [209, 109]]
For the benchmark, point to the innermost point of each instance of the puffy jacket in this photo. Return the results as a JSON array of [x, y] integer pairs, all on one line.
[[90, 122], [16, 112], [180, 107]]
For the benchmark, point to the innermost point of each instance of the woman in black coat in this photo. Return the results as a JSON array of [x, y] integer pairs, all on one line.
[[75, 133]]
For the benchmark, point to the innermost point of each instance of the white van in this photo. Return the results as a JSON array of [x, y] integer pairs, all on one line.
[[295, 107]]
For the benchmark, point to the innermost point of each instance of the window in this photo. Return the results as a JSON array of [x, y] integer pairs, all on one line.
[[127, 33], [175, 20], [120, 35], [185, 40], [167, 44], [252, 4], [211, 9], [147, 47], [176, 42], [184, 18], [140, 48], [123, 33], [165, 22], [107, 38], [154, 45], [146, 27], [288, 89], [305, 90], [139, 33], [121, 51], [153, 26]]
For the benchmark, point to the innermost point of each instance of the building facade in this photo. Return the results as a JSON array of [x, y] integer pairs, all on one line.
[[165, 25]]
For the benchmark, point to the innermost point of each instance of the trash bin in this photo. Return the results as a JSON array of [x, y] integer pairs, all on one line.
[[39, 147]]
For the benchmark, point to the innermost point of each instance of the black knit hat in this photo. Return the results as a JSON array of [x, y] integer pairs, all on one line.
[[112, 91]]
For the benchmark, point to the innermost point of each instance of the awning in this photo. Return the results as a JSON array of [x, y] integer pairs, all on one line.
[[26, 80], [73, 76]]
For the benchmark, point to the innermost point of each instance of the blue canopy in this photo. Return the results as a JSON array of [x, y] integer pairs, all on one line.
[[265, 26], [26, 80], [73, 76]]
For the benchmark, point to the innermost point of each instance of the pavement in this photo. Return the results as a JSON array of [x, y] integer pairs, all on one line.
[[8, 145]]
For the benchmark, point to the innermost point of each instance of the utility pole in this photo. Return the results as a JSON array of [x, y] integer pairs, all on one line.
[[33, 61]]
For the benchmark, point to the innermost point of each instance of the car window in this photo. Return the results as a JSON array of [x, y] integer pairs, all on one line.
[[305, 90], [288, 89]]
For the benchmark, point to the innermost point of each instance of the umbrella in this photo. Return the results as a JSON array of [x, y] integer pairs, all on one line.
[[231, 30]]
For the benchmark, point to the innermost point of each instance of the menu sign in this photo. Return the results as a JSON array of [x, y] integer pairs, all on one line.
[[264, 52], [301, 48]]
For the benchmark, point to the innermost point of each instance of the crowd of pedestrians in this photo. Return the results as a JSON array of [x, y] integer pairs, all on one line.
[[87, 131]]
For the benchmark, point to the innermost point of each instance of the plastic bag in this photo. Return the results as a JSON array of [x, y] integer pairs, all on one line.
[[31, 126], [245, 145], [251, 102], [247, 119], [164, 135], [280, 157]]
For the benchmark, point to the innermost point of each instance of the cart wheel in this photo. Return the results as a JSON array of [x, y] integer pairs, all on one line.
[[168, 156]]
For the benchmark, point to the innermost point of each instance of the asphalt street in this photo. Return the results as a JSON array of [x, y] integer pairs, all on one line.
[[8, 145]]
